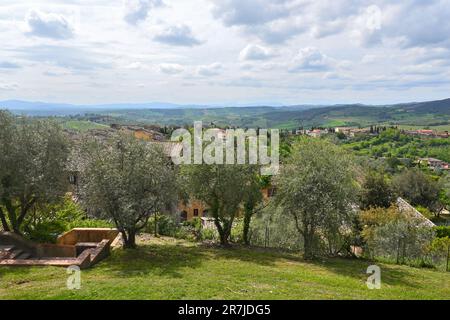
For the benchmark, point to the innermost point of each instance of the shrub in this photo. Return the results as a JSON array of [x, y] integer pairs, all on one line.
[[395, 236], [190, 230], [210, 234], [50, 221], [440, 251], [166, 225], [237, 231], [425, 211], [442, 231], [46, 232]]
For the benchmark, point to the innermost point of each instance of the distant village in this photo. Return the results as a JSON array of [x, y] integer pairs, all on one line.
[[353, 132], [156, 134]]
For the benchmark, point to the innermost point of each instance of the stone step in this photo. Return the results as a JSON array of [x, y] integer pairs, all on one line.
[[5, 251], [23, 256], [14, 254], [6, 248]]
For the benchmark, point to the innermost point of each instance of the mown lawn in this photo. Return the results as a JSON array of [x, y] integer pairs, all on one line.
[[172, 269]]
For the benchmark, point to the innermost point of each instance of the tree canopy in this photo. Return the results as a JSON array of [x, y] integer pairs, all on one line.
[[127, 180], [224, 188], [33, 155], [317, 189]]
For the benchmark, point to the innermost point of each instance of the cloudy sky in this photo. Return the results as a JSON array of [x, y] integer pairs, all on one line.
[[225, 51]]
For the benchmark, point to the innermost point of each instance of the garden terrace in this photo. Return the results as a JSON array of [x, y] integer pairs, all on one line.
[[78, 247]]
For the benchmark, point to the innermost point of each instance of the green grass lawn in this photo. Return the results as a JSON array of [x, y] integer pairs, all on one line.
[[173, 269]]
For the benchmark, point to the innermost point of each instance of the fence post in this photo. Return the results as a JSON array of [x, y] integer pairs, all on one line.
[[265, 237], [448, 256], [398, 250]]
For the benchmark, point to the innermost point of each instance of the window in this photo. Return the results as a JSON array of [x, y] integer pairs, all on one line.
[[73, 179], [183, 216], [195, 212]]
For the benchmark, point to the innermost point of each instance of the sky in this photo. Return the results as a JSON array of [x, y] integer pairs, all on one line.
[[219, 52]]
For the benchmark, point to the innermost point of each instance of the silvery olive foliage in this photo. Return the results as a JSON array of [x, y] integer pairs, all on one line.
[[225, 189], [317, 190], [127, 181], [403, 240], [33, 155]]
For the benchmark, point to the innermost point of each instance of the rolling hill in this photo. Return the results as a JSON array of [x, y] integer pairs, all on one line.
[[415, 114]]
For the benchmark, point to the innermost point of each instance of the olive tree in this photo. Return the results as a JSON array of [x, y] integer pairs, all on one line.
[[376, 191], [317, 189], [223, 188], [33, 155], [127, 180], [417, 188]]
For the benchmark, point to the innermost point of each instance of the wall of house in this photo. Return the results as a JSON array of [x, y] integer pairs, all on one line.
[[196, 206], [140, 134], [191, 209]]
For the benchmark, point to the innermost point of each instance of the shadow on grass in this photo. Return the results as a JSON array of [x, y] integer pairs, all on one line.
[[169, 260], [349, 267], [393, 275], [256, 255], [158, 259]]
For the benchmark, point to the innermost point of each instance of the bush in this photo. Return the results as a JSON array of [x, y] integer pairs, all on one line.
[[190, 230], [273, 229], [237, 231], [210, 234], [440, 251], [49, 222], [442, 231], [395, 236], [425, 211], [166, 226], [46, 232]]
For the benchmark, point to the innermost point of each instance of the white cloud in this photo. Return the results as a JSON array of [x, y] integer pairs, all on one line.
[[210, 69], [250, 12], [171, 68], [404, 45], [406, 24], [64, 57], [135, 66], [178, 35], [138, 10], [8, 65], [255, 52], [48, 25], [311, 59], [8, 86]]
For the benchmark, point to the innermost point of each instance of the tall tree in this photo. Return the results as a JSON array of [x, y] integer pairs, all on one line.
[[33, 155], [376, 191], [417, 188], [316, 188], [127, 180], [253, 202], [224, 188]]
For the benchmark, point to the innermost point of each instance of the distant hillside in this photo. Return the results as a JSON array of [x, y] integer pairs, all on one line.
[[37, 108], [431, 113], [435, 113], [421, 114], [433, 107]]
